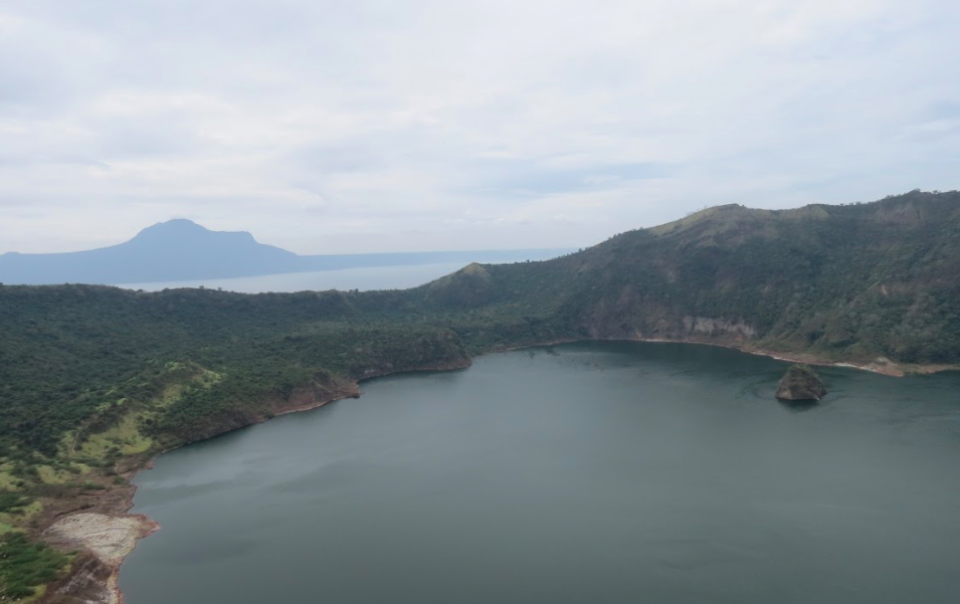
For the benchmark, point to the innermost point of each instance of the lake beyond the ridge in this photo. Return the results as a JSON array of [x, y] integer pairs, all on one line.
[[580, 473]]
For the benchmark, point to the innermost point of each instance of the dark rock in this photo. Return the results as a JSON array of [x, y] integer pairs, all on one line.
[[800, 383]]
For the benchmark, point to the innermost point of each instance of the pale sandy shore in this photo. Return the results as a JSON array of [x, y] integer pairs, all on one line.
[[880, 365]]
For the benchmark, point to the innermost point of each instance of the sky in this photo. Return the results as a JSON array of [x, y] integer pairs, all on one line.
[[371, 126]]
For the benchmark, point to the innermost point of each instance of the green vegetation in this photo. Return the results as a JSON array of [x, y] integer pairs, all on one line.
[[25, 565], [841, 282], [91, 376], [13, 503]]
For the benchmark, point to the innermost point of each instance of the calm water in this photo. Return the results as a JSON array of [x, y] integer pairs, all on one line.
[[581, 473], [377, 277]]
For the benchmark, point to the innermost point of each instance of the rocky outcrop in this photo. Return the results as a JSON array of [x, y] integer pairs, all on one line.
[[104, 541], [716, 326], [800, 383]]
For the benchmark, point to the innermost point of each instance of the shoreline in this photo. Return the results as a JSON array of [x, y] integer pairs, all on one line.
[[881, 365], [141, 526], [95, 579]]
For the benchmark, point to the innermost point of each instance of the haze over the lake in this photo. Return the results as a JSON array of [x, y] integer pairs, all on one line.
[[362, 279], [370, 126]]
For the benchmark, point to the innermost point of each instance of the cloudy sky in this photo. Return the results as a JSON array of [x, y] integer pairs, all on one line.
[[328, 127]]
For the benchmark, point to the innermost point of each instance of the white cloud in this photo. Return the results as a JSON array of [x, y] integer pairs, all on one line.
[[363, 126]]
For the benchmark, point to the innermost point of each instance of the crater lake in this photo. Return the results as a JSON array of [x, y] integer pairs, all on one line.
[[591, 472]]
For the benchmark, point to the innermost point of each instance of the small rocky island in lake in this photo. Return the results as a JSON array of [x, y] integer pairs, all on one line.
[[800, 383]]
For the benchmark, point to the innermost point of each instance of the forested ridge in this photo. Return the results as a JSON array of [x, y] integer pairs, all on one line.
[[91, 376]]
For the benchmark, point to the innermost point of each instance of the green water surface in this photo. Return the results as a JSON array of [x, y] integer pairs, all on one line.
[[583, 473]]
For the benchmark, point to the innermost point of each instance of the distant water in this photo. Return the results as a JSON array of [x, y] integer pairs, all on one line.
[[586, 473], [380, 277]]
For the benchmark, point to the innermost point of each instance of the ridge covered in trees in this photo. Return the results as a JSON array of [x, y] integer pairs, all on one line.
[[92, 377]]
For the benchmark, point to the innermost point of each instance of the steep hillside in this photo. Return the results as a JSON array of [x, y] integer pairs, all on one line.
[[849, 282]]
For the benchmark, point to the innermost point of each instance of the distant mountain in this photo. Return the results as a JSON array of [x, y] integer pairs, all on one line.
[[102, 378], [181, 250]]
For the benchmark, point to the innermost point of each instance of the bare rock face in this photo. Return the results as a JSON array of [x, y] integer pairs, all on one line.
[[103, 541], [800, 383]]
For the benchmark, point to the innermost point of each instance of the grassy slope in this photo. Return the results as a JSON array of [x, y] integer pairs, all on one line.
[[92, 376]]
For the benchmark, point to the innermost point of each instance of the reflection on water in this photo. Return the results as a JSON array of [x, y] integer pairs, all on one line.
[[799, 406], [607, 473]]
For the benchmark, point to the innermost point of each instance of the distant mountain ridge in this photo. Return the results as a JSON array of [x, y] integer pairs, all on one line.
[[102, 378], [182, 250]]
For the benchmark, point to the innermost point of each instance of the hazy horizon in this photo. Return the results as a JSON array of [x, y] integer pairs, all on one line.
[[258, 240], [181, 253], [329, 129], [480, 247]]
